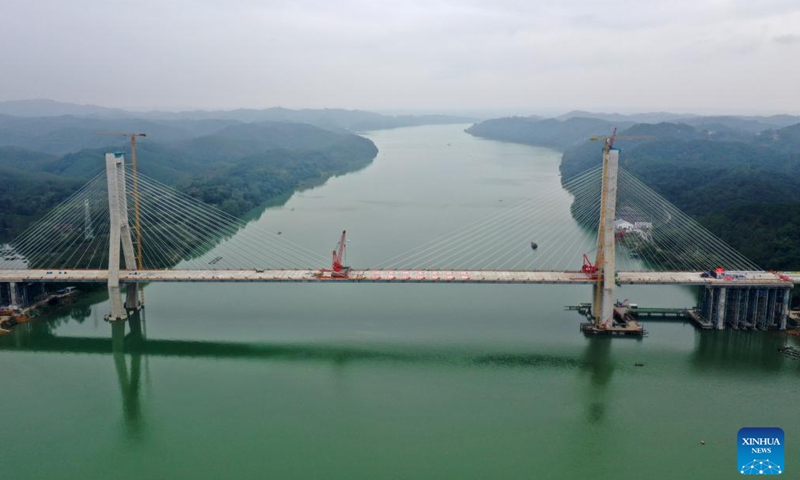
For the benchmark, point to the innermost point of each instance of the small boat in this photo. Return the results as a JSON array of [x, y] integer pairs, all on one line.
[[534, 246]]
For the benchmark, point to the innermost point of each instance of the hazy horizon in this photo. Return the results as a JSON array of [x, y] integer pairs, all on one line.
[[485, 113], [705, 57]]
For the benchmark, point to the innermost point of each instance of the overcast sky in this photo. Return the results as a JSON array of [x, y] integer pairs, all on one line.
[[515, 56]]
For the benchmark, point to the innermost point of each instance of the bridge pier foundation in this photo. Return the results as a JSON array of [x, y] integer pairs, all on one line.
[[132, 297], [747, 308], [719, 324], [783, 312], [118, 312], [14, 294]]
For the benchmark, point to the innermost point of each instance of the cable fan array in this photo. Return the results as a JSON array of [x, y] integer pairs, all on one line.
[[74, 234], [177, 231], [541, 234], [666, 238], [182, 232], [503, 241]]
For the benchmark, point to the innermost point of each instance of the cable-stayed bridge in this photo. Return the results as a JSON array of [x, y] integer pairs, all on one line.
[[124, 229]]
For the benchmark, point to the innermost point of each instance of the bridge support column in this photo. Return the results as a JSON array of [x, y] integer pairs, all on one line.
[[132, 297], [783, 314], [754, 308], [119, 236], [13, 293], [763, 311], [707, 303], [721, 308]]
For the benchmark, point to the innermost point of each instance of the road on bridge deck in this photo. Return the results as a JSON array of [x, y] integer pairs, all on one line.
[[394, 276]]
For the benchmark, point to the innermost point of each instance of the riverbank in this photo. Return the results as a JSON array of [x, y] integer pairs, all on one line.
[[51, 304]]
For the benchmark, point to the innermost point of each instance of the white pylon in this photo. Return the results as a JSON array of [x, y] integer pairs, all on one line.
[[606, 253], [120, 235]]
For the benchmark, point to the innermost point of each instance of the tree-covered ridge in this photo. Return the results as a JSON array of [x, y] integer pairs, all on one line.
[[240, 186], [739, 183], [236, 168], [770, 232], [744, 190], [59, 128], [536, 131], [698, 173]]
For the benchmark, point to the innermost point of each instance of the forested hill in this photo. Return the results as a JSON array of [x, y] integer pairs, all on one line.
[[742, 185], [44, 112], [696, 171], [237, 168], [547, 133]]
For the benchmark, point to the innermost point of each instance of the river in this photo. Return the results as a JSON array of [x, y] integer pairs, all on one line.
[[377, 381]]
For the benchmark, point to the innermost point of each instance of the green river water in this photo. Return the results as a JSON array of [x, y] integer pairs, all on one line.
[[374, 381]]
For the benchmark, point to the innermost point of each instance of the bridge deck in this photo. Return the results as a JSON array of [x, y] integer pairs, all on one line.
[[394, 276]]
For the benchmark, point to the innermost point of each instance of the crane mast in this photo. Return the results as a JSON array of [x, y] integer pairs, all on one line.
[[139, 263]]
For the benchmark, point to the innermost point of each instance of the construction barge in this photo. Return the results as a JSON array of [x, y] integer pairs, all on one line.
[[666, 314], [627, 319], [623, 323]]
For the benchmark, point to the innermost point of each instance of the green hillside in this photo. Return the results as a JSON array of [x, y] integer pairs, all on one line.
[[237, 168], [548, 133], [742, 185]]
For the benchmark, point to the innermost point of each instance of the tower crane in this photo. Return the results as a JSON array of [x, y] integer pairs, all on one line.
[[609, 141]]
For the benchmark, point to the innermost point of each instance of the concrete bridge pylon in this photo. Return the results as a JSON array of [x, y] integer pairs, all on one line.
[[604, 289], [119, 239]]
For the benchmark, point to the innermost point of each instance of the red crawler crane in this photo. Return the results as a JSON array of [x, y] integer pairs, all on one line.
[[337, 267], [588, 267]]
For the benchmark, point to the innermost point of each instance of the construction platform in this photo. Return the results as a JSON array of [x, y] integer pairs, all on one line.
[[698, 320], [656, 313], [666, 314], [630, 328]]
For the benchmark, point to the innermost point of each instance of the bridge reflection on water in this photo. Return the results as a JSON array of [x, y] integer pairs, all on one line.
[[725, 352]]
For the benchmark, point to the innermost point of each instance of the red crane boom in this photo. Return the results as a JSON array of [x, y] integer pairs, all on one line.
[[338, 254], [588, 267]]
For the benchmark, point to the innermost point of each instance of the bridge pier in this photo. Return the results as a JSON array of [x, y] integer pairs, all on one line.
[[132, 297], [20, 294], [13, 293], [784, 309], [759, 307], [119, 236], [719, 324]]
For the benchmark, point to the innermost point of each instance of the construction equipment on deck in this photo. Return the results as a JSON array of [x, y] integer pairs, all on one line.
[[338, 268], [588, 267]]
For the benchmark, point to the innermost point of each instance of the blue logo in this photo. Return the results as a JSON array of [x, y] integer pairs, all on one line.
[[760, 451]]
